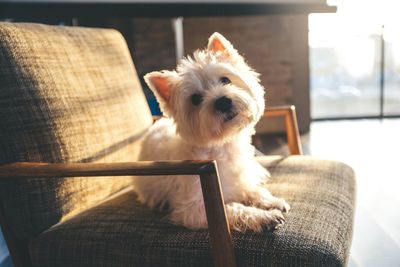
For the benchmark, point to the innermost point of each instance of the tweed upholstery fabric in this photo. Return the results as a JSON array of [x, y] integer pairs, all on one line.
[[67, 94], [122, 232]]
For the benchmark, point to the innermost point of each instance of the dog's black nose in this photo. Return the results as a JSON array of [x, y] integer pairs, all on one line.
[[223, 104]]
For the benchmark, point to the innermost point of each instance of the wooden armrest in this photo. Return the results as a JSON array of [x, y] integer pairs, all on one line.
[[221, 240], [292, 130], [139, 168]]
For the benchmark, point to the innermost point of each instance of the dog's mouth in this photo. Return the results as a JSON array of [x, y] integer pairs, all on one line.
[[230, 116]]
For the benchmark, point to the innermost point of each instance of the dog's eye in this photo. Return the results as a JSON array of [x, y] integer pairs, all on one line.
[[197, 99], [224, 80]]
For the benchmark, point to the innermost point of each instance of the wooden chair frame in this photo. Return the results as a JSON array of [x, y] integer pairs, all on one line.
[[292, 129], [221, 241]]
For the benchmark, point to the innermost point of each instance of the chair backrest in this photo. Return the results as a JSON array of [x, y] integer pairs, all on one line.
[[67, 94]]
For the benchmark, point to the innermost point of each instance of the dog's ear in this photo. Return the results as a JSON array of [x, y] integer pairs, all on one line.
[[220, 45], [162, 85]]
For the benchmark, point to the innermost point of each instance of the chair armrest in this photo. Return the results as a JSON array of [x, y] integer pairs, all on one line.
[[139, 168], [221, 240], [292, 130]]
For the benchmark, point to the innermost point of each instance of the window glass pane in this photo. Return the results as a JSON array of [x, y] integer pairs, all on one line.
[[344, 65]]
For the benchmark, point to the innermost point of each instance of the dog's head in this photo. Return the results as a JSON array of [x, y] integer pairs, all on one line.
[[212, 97]]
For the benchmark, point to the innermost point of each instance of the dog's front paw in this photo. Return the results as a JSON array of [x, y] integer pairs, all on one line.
[[280, 204], [270, 219], [274, 219], [242, 218], [269, 202], [263, 199]]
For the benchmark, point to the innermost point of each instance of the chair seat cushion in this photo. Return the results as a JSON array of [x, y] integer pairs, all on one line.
[[122, 232]]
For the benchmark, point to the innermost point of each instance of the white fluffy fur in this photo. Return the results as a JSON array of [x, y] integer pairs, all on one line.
[[202, 132]]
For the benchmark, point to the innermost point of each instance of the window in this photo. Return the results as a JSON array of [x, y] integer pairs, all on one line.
[[355, 60]]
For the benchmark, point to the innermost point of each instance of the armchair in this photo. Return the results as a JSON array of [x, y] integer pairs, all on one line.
[[70, 97]]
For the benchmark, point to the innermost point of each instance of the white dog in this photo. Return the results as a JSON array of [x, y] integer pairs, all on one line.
[[213, 102]]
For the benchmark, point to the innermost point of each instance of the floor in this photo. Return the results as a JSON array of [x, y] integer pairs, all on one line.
[[372, 148]]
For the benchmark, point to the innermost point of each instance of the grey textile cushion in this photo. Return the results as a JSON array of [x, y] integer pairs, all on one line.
[[67, 94], [122, 232]]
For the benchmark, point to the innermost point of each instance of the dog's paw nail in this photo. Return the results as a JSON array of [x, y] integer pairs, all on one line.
[[277, 219], [285, 207]]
